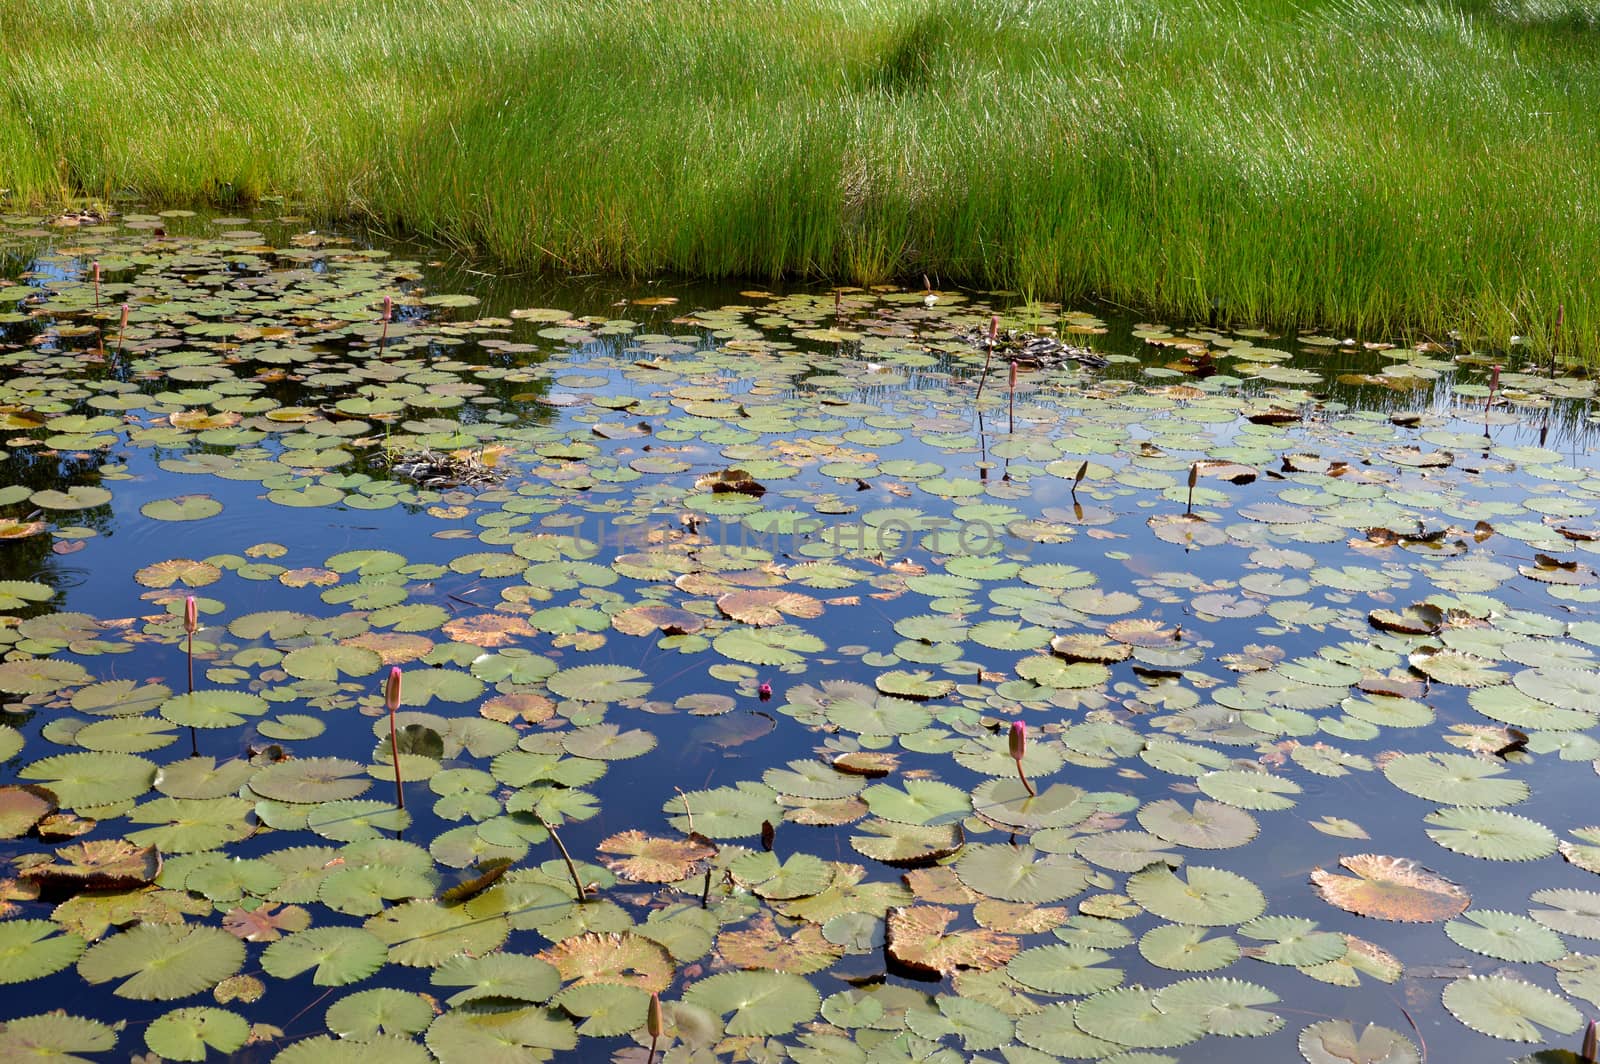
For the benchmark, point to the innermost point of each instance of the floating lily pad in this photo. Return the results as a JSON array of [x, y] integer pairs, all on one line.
[[1390, 888], [160, 963], [1509, 1008], [1206, 897], [756, 1003]]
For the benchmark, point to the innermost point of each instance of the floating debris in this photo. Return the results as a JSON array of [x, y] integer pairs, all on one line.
[[433, 469], [1033, 349]]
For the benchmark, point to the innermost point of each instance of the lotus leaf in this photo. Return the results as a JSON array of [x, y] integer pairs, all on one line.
[[1490, 833], [1207, 897], [162, 962], [55, 1034], [1390, 888], [1504, 1007], [1131, 1017], [1336, 1042]]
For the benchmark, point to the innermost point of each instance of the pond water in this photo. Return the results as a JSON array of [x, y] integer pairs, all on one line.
[[740, 590]]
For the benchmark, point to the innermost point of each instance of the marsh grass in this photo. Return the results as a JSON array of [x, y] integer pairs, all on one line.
[[1367, 165]]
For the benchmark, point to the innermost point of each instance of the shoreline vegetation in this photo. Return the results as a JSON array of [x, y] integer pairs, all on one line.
[[1385, 167]]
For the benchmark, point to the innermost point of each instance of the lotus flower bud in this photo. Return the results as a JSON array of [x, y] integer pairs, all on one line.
[[1494, 376], [191, 615], [124, 317], [388, 308], [1013, 376], [764, 692], [653, 1024], [1018, 740], [391, 689], [97, 272], [994, 328], [1591, 1038]]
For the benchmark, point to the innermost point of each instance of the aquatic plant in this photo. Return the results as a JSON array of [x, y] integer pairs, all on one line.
[[1043, 148], [1017, 744], [391, 702], [1367, 619]]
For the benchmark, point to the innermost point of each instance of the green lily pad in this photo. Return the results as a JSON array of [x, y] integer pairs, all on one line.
[[338, 955], [1454, 779], [1021, 873], [32, 949], [1502, 1007], [159, 963], [1505, 936], [1184, 948], [1206, 897], [1492, 834], [1064, 969], [1130, 1017], [1336, 1042], [55, 1035], [213, 709], [190, 1033], [756, 1003]]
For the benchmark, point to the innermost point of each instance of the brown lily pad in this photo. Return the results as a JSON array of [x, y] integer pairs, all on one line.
[[767, 606], [646, 859], [1390, 888], [103, 864], [921, 944], [764, 946], [627, 959], [23, 807]]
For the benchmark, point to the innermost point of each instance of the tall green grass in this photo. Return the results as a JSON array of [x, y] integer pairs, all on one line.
[[1379, 166]]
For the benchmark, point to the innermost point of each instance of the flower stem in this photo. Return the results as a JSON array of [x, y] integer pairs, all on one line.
[[394, 752], [1024, 778], [572, 869]]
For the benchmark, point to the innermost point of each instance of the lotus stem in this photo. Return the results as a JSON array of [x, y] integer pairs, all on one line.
[[1018, 743], [988, 356], [653, 1025], [388, 312], [191, 623], [687, 812], [97, 286], [1011, 401], [391, 699], [572, 869]]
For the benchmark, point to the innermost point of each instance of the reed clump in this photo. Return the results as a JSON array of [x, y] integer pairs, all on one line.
[[1364, 165]]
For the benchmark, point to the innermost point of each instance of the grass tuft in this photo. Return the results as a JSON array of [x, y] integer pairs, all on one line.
[[1378, 166]]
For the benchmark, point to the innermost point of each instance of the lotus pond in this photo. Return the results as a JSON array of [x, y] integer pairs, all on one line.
[[715, 610]]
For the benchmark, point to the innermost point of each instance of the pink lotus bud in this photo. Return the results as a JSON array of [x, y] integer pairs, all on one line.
[[388, 308], [1494, 377], [1018, 740], [994, 327], [191, 615], [124, 317], [1591, 1044], [97, 271], [391, 689], [1013, 376], [764, 691]]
